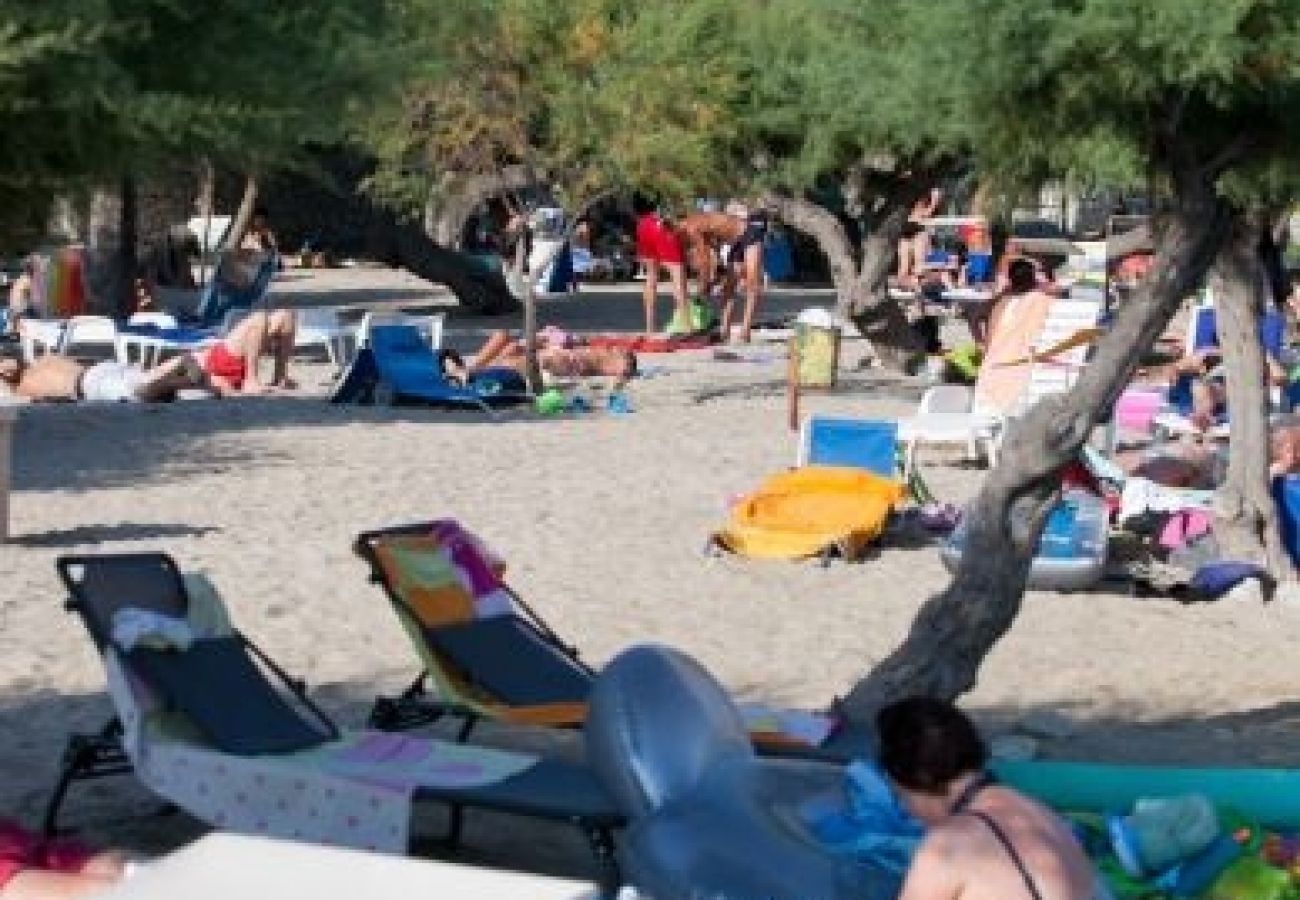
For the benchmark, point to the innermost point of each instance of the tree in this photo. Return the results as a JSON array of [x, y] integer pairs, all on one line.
[[106, 91], [571, 101], [1187, 92], [844, 95]]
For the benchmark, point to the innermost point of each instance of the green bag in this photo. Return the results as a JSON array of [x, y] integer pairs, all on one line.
[[702, 319]]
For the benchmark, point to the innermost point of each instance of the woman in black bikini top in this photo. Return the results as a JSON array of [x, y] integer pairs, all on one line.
[[937, 761]]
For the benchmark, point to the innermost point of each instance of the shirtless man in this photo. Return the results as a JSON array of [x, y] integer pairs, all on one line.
[[564, 362], [914, 245], [57, 378], [985, 841], [231, 364], [732, 244]]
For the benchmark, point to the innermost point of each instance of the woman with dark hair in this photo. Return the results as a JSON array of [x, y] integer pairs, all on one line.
[[985, 841]]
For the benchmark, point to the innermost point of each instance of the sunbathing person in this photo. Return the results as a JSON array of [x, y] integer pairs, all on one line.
[[36, 869], [231, 364], [563, 362], [57, 378], [985, 841]]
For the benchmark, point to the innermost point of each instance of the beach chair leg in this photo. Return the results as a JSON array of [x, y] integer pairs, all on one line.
[[602, 847], [456, 825], [86, 757], [470, 721]]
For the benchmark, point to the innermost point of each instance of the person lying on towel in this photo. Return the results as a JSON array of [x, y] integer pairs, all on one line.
[[501, 349], [58, 378]]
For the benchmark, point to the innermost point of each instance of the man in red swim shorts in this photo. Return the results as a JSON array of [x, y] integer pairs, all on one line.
[[657, 246], [231, 364]]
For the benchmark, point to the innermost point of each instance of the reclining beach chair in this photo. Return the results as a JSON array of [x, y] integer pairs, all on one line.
[[397, 365], [208, 722], [494, 658], [222, 295]]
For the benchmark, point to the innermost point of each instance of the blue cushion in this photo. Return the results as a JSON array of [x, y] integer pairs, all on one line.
[[509, 659], [227, 697]]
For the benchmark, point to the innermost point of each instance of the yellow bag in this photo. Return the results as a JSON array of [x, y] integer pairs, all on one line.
[[807, 511]]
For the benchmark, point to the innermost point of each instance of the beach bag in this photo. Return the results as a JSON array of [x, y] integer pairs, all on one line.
[[811, 511]]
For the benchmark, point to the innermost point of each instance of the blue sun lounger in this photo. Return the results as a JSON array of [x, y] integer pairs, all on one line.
[[399, 366]]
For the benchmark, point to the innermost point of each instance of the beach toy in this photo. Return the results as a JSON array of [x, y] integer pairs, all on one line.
[[619, 404], [1191, 878], [1250, 878], [579, 404], [1163, 832], [550, 402]]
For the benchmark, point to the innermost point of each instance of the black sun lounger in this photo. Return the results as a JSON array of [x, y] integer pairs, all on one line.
[[273, 713]]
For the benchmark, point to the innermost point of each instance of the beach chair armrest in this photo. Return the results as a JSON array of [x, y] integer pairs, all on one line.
[[552, 714]]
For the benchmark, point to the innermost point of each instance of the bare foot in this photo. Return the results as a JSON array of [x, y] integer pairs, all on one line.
[[286, 383]]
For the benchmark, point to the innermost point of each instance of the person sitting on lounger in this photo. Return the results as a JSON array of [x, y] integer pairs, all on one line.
[[231, 364], [36, 869], [57, 378], [985, 841], [564, 362]]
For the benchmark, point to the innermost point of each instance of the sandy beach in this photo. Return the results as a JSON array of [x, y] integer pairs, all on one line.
[[602, 519]]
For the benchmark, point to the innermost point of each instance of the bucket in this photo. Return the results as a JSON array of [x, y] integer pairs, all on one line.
[[818, 347]]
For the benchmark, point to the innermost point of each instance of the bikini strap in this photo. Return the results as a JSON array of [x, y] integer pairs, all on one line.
[[1011, 851]]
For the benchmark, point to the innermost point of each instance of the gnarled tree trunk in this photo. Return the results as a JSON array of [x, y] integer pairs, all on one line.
[[406, 245], [861, 276], [954, 631], [243, 215], [458, 197], [1246, 520]]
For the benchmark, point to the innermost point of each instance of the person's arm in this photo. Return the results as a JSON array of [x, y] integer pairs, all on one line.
[[933, 874]]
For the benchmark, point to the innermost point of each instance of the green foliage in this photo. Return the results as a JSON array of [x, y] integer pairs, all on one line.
[[598, 93], [94, 89]]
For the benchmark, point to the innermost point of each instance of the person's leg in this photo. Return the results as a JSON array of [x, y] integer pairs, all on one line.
[[163, 381], [247, 340], [281, 332], [677, 279], [753, 275], [650, 292], [497, 345], [726, 302]]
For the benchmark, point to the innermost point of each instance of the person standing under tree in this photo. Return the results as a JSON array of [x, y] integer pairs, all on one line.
[[658, 247]]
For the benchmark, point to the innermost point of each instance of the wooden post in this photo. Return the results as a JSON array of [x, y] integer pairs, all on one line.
[[792, 388], [8, 414]]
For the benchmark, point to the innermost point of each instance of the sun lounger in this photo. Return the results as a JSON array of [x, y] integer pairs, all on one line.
[[216, 728], [221, 295], [492, 656], [399, 366]]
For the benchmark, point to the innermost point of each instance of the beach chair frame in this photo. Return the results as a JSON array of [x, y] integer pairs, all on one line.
[[452, 695], [549, 790]]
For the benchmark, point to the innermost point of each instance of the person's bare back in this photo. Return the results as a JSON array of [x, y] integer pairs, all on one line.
[[963, 858]]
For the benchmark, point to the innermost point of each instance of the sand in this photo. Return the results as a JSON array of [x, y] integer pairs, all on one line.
[[602, 519]]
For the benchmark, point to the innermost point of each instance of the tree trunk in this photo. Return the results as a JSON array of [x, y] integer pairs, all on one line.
[[532, 362], [207, 201], [406, 245], [243, 216], [881, 319], [955, 630], [445, 217], [1246, 520], [862, 291], [123, 296]]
